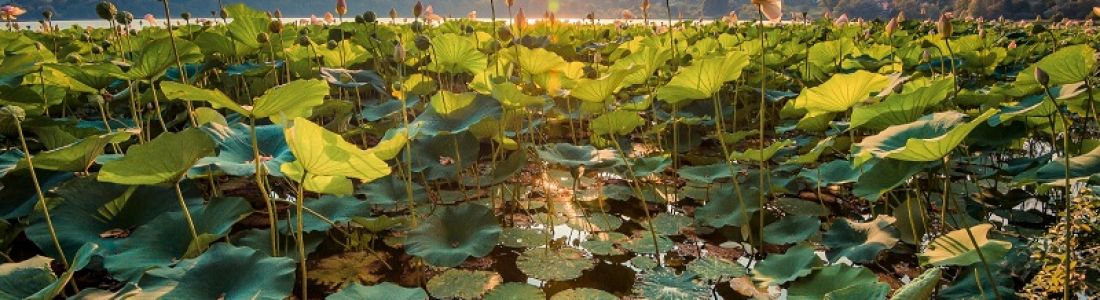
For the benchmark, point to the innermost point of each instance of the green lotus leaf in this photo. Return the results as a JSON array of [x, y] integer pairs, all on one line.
[[883, 176], [553, 264], [645, 166], [34, 278], [645, 61], [928, 139], [510, 95], [323, 153], [337, 210], [973, 283], [814, 154], [643, 244], [385, 290], [322, 184], [160, 244], [643, 263], [1081, 166], [20, 197], [454, 233], [432, 122], [227, 272], [901, 108], [446, 102], [761, 154], [841, 92], [778, 269], [8, 160], [860, 242], [600, 90], [515, 291], [389, 192], [462, 284], [791, 229], [867, 290], [247, 24], [452, 53], [726, 208], [442, 156], [161, 160], [664, 284], [703, 78], [354, 79], [260, 239], [833, 279], [921, 287], [669, 224], [573, 156], [235, 154], [619, 122], [501, 172], [535, 61], [1067, 65], [88, 211], [715, 269], [595, 222], [185, 92], [957, 249], [603, 243], [156, 57], [292, 100], [706, 173], [78, 156], [95, 76], [583, 294]]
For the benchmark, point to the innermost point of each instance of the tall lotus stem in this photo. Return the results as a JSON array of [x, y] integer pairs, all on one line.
[[1067, 262], [186, 213], [764, 190], [262, 186], [179, 63], [299, 235], [17, 114]]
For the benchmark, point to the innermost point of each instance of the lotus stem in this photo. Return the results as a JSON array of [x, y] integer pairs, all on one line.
[[257, 159], [186, 213], [299, 235], [1067, 261], [179, 63], [41, 196]]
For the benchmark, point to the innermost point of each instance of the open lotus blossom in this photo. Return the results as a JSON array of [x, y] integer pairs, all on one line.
[[10, 12], [1096, 10], [730, 18], [329, 18], [313, 20], [150, 19], [430, 16], [772, 9], [472, 15], [627, 14]]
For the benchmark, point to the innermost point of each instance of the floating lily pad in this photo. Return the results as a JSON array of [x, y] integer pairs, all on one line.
[[462, 284], [225, 271], [515, 291], [385, 290], [667, 285], [454, 233], [832, 281], [860, 242], [791, 229], [553, 264], [778, 269], [714, 268], [583, 294]]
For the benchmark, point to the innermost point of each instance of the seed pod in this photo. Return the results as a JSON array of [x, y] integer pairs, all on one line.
[[422, 42], [263, 38], [370, 17], [186, 16], [97, 50], [359, 20], [303, 40], [106, 10], [418, 9], [275, 26], [944, 27], [504, 34], [47, 14], [332, 45], [106, 44], [124, 17], [1041, 76]]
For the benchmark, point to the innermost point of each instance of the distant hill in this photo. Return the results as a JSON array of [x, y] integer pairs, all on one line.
[[869, 9]]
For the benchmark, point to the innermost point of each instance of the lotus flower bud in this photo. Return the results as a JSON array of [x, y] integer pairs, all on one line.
[[926, 56], [278, 14], [891, 27], [1041, 76], [944, 27], [105, 10], [342, 7], [472, 15], [645, 5], [393, 13], [399, 52], [124, 17], [275, 26], [222, 13], [422, 42], [263, 38], [521, 20], [10, 113], [510, 3], [370, 17], [418, 9]]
